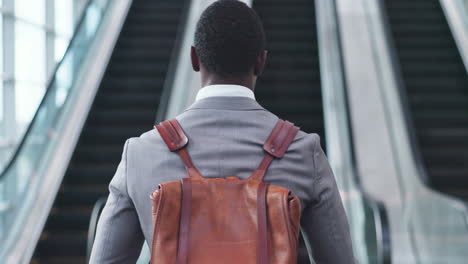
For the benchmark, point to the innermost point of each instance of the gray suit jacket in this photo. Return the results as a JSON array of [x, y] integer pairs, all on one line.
[[226, 136]]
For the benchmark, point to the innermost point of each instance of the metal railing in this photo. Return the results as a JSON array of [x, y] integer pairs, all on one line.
[[50, 87]]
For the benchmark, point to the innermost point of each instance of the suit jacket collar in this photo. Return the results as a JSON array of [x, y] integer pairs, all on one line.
[[226, 103], [224, 90]]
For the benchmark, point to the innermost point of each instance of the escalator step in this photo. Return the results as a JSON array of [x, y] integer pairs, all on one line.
[[69, 218], [62, 244], [139, 85], [131, 55], [123, 116], [89, 153], [144, 29], [115, 135], [435, 55], [142, 69], [119, 100], [80, 195], [81, 172]]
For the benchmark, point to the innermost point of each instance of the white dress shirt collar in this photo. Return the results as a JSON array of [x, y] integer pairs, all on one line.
[[224, 90]]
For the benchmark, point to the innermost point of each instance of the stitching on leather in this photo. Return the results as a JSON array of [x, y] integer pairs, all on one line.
[[175, 126], [286, 219], [291, 133], [175, 135], [158, 220], [292, 204], [165, 137], [180, 137], [169, 129]]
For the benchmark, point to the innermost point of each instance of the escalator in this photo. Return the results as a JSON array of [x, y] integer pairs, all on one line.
[[290, 84], [125, 106], [436, 88]]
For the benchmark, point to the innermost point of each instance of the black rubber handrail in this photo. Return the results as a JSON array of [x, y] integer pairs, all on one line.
[[93, 222], [50, 83]]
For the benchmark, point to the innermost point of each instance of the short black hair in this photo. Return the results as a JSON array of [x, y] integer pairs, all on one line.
[[229, 38]]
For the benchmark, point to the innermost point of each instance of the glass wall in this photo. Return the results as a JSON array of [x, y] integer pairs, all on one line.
[[33, 38]]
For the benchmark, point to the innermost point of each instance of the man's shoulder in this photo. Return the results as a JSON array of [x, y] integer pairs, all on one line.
[[151, 139], [305, 143]]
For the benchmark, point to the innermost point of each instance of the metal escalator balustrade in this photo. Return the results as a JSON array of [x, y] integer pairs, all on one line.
[[367, 216], [125, 106], [33, 164], [436, 91], [290, 84]]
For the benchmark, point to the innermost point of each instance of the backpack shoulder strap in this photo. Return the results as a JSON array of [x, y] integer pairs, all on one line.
[[176, 140], [275, 146]]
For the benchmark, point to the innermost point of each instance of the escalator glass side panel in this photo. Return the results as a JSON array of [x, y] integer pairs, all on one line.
[[436, 87], [43, 131], [125, 106], [433, 89], [367, 217]]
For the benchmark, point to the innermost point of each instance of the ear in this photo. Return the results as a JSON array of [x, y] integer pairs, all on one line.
[[260, 65], [194, 59]]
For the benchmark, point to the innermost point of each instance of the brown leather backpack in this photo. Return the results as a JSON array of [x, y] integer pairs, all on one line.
[[201, 220]]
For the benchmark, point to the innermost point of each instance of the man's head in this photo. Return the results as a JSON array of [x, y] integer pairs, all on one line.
[[229, 43]]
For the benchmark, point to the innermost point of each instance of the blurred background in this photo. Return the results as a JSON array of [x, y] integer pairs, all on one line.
[[383, 82], [34, 37]]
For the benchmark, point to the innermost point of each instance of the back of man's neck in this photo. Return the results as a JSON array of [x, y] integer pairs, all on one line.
[[237, 81]]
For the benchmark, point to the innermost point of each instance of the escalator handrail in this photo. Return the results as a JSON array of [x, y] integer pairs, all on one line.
[[378, 208], [383, 229], [93, 222], [348, 152], [49, 86], [456, 14]]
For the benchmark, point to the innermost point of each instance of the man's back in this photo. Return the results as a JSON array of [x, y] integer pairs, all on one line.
[[226, 128], [226, 135]]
